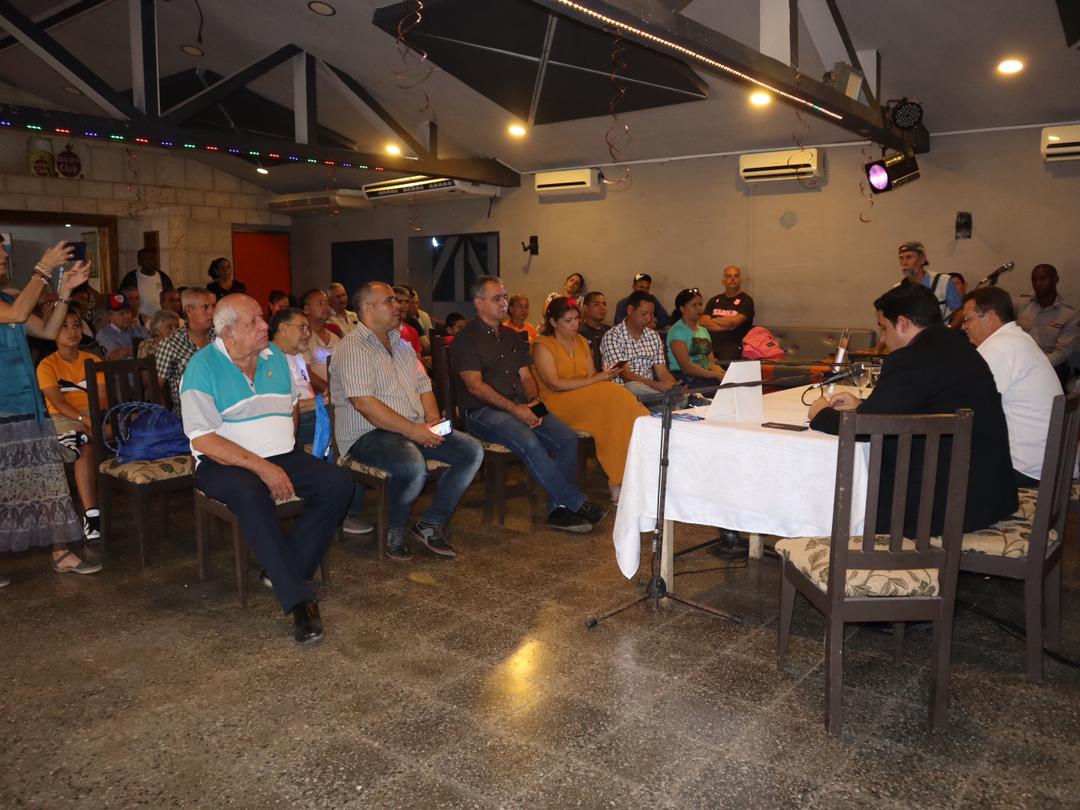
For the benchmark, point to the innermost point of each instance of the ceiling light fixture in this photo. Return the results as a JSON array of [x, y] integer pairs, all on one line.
[[905, 114], [193, 50], [393, 149], [891, 171], [517, 130], [612, 22], [322, 9], [262, 170], [1010, 66], [759, 98]]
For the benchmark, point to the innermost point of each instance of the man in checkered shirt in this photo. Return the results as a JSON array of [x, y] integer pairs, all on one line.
[[176, 350], [646, 374]]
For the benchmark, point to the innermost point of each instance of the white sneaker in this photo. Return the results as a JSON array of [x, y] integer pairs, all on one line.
[[616, 491], [354, 525]]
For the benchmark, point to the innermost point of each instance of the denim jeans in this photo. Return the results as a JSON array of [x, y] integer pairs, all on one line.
[[404, 461], [549, 451]]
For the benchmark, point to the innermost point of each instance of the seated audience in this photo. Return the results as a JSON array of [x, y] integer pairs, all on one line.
[[517, 315], [643, 283], [163, 324], [384, 413], [279, 301], [913, 264], [62, 379], [249, 461], [324, 341], [223, 282], [497, 394], [117, 336], [411, 329], [933, 369], [1023, 376], [591, 326], [729, 316], [170, 300], [340, 315], [455, 322], [689, 346], [1053, 323], [645, 373], [581, 396], [415, 312], [138, 319], [574, 287], [177, 349]]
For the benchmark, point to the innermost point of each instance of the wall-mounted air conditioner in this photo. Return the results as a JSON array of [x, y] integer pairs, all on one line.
[[790, 164], [1060, 143], [312, 201], [422, 188], [569, 183]]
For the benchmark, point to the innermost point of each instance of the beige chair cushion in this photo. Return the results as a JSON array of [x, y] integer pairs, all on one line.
[[494, 447], [146, 472], [349, 463], [1028, 498], [810, 555], [1006, 538]]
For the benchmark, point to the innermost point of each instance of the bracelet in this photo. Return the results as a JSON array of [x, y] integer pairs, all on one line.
[[43, 268], [63, 300], [46, 280]]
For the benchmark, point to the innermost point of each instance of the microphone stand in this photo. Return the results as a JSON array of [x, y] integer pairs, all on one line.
[[656, 588]]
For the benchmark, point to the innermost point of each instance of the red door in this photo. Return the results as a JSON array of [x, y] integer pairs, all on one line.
[[261, 261]]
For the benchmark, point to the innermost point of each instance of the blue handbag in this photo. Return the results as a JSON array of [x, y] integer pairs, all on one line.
[[146, 432]]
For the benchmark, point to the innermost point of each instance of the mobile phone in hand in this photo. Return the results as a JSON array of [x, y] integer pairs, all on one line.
[[621, 364], [443, 428], [79, 254], [539, 410]]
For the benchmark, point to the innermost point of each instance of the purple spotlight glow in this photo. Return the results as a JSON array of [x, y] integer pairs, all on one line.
[[879, 178]]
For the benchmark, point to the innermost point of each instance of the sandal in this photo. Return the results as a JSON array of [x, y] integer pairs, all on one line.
[[84, 567]]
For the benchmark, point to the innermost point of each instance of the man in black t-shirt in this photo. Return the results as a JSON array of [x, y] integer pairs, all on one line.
[[592, 326], [729, 316]]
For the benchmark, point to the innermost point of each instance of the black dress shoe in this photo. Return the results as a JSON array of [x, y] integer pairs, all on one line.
[[308, 623]]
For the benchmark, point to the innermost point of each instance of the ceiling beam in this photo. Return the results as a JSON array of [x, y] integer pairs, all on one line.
[[157, 134], [69, 12], [145, 87], [648, 23], [53, 54], [227, 86], [350, 87], [845, 37], [305, 99]]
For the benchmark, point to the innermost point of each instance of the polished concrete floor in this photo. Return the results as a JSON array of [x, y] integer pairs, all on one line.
[[475, 683]]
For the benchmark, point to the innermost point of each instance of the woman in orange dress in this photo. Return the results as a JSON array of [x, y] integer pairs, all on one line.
[[582, 397]]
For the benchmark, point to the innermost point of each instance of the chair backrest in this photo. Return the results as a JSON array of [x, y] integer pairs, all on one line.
[[1055, 485], [442, 380], [127, 380], [929, 436]]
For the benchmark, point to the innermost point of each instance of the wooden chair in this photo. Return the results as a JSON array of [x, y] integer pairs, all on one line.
[[130, 381], [1028, 545], [206, 507], [884, 577]]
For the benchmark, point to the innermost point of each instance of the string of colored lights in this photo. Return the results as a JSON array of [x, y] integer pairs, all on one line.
[[682, 49]]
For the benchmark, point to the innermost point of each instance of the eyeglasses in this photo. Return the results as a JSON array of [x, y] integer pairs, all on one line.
[[693, 290], [303, 326]]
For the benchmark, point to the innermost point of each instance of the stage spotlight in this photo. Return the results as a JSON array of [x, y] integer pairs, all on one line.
[[905, 114], [891, 171]]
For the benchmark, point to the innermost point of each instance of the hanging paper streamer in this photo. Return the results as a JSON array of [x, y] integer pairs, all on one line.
[[618, 134], [797, 136], [864, 212], [404, 77]]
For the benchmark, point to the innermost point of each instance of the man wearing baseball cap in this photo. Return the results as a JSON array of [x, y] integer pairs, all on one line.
[[117, 336], [643, 283], [913, 263]]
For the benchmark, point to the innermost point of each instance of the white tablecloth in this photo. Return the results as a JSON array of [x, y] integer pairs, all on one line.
[[736, 475]]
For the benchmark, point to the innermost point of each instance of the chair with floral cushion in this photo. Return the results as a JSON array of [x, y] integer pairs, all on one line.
[[1027, 546], [130, 381], [882, 576]]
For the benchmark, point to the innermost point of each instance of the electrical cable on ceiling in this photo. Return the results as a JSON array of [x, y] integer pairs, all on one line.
[[618, 134], [202, 19]]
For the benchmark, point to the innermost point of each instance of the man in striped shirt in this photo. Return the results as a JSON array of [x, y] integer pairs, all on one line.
[[385, 411], [240, 412]]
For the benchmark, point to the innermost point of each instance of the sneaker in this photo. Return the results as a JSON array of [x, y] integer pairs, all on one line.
[[264, 578], [91, 526], [591, 512], [354, 525], [396, 547], [78, 566], [564, 520], [434, 539], [70, 446]]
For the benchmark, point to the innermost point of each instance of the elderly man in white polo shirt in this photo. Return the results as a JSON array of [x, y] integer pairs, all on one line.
[[240, 412], [1023, 375]]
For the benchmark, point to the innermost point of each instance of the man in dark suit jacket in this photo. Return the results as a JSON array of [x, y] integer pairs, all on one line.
[[932, 369]]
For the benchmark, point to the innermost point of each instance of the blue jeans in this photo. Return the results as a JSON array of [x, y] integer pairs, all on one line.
[[536, 447], [404, 461]]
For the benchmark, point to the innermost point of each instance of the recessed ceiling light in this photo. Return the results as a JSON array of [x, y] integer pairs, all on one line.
[[325, 9], [517, 130], [67, 225], [262, 170], [75, 91], [760, 98], [193, 50], [393, 149], [1010, 66]]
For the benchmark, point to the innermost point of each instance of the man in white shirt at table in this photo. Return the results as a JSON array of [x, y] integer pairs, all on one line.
[[646, 374], [1023, 375]]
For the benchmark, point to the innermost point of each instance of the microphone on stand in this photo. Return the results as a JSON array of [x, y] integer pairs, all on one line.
[[856, 370], [992, 279]]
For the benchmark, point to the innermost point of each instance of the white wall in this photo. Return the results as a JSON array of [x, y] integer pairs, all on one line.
[[807, 258]]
